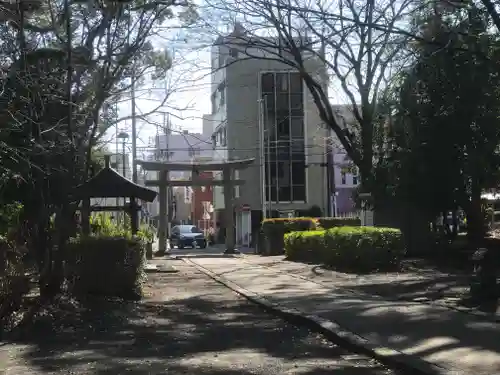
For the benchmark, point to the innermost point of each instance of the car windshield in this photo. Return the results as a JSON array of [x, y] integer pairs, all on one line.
[[189, 229]]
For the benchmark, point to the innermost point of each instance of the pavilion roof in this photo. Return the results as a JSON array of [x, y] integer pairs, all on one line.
[[108, 183]]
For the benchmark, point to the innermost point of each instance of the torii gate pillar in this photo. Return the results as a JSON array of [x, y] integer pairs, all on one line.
[[163, 219], [227, 179]]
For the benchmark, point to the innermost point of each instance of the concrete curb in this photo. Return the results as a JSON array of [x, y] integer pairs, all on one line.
[[411, 365]]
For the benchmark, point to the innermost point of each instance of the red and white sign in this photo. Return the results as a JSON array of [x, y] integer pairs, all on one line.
[[245, 207]]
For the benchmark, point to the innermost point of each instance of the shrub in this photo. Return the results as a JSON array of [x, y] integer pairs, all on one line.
[[106, 265], [304, 246], [274, 229], [332, 222], [102, 225], [351, 249], [146, 233]]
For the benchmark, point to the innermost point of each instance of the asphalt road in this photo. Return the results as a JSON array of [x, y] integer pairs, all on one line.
[[188, 324]]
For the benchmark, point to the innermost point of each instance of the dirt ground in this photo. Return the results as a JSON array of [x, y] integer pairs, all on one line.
[[187, 324]]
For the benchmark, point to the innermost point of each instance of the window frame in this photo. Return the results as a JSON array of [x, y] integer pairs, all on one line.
[[296, 153]]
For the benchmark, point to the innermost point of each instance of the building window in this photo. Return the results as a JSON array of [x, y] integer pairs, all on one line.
[[343, 178], [354, 179], [284, 165], [203, 189], [267, 84]]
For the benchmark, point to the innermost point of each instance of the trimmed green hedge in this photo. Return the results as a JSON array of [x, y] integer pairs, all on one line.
[[332, 222], [350, 249], [106, 266], [273, 231]]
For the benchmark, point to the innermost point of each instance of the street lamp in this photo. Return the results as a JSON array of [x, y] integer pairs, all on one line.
[[123, 136]]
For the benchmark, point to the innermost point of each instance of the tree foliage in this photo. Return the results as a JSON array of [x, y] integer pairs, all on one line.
[[444, 118], [60, 64]]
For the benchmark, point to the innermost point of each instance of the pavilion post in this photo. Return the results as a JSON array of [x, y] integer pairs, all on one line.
[[162, 225], [134, 219], [228, 209], [85, 216]]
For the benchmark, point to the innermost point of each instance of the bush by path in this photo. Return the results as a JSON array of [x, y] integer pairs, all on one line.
[[273, 231], [350, 249], [332, 222], [107, 266]]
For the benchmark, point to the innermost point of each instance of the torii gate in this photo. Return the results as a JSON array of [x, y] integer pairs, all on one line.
[[228, 182]]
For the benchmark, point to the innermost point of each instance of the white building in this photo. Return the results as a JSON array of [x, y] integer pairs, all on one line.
[[177, 146]]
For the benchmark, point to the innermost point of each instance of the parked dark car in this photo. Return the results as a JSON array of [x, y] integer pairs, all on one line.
[[187, 235]]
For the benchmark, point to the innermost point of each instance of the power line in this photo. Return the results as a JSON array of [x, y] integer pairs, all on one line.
[[225, 149]]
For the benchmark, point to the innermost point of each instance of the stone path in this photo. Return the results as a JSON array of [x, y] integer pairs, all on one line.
[[455, 342], [188, 324]]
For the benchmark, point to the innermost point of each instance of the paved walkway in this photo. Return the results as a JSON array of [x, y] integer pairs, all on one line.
[[187, 324], [421, 283], [457, 343]]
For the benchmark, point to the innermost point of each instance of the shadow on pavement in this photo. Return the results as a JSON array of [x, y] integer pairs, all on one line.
[[187, 325], [446, 337]]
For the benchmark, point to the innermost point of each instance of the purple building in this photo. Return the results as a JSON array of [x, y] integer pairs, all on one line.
[[345, 175]]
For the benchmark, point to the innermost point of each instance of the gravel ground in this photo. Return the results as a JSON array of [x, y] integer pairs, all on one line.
[[188, 324]]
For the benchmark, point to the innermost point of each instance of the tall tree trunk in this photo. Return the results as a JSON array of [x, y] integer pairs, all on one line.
[[416, 230], [62, 229], [475, 220], [43, 255]]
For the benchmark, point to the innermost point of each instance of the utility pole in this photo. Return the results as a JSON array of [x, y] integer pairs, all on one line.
[[124, 167], [262, 157], [168, 190], [134, 126], [268, 166], [116, 166], [133, 202]]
